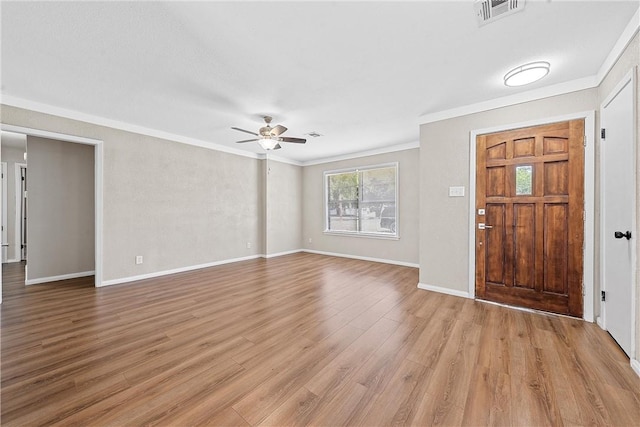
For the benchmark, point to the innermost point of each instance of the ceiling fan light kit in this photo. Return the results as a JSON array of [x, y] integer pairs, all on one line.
[[269, 137], [527, 73], [268, 143]]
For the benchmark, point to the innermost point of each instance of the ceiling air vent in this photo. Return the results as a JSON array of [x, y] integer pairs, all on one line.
[[490, 10]]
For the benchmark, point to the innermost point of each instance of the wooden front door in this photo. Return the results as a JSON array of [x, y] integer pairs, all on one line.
[[529, 217]]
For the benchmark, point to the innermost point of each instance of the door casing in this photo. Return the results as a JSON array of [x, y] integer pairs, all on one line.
[[589, 200], [5, 204], [22, 208], [17, 255]]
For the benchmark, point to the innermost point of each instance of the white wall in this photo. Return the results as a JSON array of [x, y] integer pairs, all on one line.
[[403, 250], [60, 209]]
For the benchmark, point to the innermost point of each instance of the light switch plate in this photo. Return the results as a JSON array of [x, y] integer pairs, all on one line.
[[456, 191]]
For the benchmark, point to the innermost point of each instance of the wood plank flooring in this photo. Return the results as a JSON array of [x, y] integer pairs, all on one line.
[[301, 339]]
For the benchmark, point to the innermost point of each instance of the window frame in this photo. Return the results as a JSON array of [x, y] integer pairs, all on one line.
[[384, 236]]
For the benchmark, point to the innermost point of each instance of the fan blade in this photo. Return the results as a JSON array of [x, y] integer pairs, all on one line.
[[277, 147], [245, 131], [246, 140], [296, 140], [278, 130]]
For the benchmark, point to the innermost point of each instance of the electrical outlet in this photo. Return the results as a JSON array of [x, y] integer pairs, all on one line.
[[139, 259], [248, 245], [310, 240]]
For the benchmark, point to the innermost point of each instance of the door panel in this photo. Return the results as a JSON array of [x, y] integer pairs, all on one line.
[[496, 181], [496, 240], [556, 182], [555, 249], [530, 182], [524, 243], [524, 147]]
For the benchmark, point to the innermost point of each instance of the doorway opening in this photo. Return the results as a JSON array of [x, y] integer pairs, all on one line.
[[529, 216], [97, 193]]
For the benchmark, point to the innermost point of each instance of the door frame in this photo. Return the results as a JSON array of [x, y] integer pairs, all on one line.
[[629, 78], [5, 212], [98, 182], [17, 252], [589, 200]]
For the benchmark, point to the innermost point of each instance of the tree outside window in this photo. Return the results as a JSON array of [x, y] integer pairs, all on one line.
[[362, 201]]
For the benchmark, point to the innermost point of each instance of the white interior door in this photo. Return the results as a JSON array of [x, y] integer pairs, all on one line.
[[618, 200]]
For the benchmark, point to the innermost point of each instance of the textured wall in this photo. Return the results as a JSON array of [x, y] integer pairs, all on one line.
[[444, 162], [404, 249], [60, 208], [175, 204], [12, 155], [283, 207]]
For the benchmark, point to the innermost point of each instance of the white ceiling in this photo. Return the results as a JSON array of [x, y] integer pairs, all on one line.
[[360, 73]]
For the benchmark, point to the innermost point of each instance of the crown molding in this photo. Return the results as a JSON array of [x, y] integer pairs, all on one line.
[[128, 127], [358, 154], [623, 41], [116, 124], [545, 92], [269, 156], [505, 101]]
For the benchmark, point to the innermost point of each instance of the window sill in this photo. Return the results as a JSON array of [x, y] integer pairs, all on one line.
[[365, 235]]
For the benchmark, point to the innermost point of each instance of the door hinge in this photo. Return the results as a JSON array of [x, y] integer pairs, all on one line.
[[603, 133], [584, 216], [584, 140], [603, 296]]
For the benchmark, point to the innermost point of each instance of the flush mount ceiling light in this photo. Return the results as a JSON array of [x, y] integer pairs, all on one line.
[[527, 73]]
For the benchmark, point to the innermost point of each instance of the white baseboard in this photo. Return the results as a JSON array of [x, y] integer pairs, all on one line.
[[599, 322], [442, 290], [228, 261], [363, 258], [277, 254], [61, 277], [635, 365], [12, 260], [176, 270]]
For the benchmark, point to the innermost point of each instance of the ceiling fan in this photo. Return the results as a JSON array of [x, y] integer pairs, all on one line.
[[269, 137]]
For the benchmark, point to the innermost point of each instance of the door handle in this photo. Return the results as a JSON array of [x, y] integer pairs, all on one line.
[[620, 235], [488, 226]]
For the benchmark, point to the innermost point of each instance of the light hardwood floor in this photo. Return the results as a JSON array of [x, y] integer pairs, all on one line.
[[298, 340]]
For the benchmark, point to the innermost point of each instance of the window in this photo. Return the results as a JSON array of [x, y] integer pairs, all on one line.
[[524, 180], [362, 201]]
